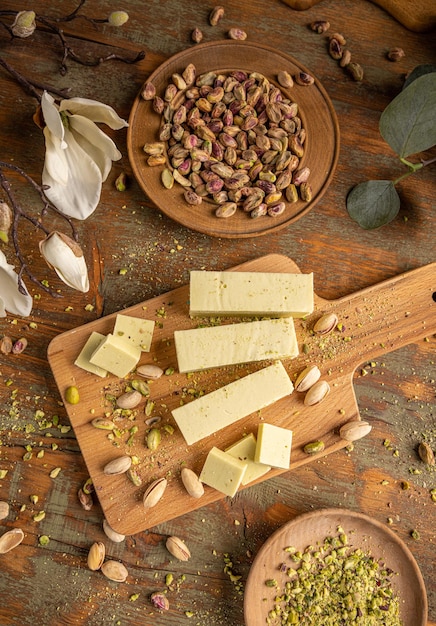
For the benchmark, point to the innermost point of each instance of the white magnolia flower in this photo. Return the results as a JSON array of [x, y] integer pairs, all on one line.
[[65, 256], [11, 298], [78, 154]]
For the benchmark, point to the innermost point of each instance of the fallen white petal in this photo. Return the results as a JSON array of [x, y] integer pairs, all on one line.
[[79, 197], [93, 110], [66, 258], [11, 298]]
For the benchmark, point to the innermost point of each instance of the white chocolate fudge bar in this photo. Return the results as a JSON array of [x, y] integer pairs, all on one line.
[[224, 406], [215, 346], [271, 294]]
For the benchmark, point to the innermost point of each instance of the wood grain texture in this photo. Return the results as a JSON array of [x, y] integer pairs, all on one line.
[[52, 585], [419, 17]]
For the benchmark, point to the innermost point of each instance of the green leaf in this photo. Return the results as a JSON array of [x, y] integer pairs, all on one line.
[[418, 71], [373, 203], [408, 122]]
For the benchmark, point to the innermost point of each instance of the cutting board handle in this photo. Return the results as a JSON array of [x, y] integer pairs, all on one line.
[[386, 316]]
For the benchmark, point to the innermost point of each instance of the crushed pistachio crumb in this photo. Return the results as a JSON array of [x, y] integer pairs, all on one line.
[[333, 583]]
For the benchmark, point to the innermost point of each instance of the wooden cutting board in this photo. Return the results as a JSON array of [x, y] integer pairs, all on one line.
[[374, 321], [418, 16]]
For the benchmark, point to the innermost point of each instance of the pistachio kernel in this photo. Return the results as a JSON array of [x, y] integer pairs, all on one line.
[[72, 395], [314, 447]]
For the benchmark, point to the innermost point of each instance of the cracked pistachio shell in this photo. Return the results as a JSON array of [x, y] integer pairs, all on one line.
[[4, 509], [178, 548], [192, 483], [96, 555], [10, 540], [326, 323], [354, 430], [111, 533], [120, 465], [115, 570], [149, 370], [154, 492], [307, 378], [317, 393], [129, 400]]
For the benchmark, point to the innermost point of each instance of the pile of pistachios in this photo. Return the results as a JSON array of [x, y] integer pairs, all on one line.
[[233, 138]]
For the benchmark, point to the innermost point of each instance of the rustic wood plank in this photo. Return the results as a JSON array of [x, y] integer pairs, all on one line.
[[395, 391]]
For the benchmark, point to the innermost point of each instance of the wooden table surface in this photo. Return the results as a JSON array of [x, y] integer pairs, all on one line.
[[51, 584]]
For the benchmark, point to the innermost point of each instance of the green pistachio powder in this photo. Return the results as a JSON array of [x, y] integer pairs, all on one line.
[[334, 584]]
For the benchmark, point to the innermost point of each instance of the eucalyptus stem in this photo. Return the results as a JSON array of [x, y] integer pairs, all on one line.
[[413, 167]]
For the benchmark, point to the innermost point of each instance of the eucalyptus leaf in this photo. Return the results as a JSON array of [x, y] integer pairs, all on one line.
[[408, 122], [373, 203], [419, 70]]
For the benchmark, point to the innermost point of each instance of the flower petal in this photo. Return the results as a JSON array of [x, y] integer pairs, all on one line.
[[94, 111], [55, 158], [11, 298], [66, 258], [51, 116], [94, 141], [80, 195]]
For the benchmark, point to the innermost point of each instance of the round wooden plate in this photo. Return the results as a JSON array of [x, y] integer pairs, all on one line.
[[363, 532], [315, 109]]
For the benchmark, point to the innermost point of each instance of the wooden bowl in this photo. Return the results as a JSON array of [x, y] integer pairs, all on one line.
[[363, 532], [315, 109]]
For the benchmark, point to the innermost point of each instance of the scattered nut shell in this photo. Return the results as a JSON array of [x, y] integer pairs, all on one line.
[[326, 324], [4, 509], [111, 533], [307, 378], [426, 454], [154, 492], [192, 483], [6, 345], [153, 372], [317, 393], [85, 500], [10, 540], [96, 555], [120, 465], [129, 400], [178, 548], [354, 430], [115, 570]]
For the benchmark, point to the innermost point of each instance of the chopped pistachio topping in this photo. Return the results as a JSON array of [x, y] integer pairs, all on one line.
[[334, 584]]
